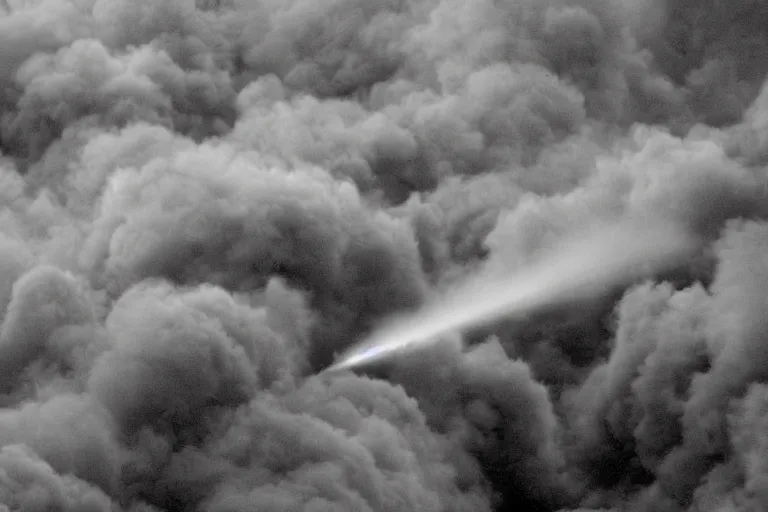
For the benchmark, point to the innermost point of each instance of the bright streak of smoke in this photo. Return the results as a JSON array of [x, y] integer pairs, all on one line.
[[579, 269]]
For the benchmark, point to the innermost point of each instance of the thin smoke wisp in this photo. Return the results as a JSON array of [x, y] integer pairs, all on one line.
[[580, 268]]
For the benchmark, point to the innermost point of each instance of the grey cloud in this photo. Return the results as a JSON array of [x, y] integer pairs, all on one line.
[[202, 202]]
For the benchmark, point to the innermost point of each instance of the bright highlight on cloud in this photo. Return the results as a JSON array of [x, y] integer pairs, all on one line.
[[202, 202]]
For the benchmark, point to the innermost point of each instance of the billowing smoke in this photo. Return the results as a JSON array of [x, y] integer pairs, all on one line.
[[203, 203]]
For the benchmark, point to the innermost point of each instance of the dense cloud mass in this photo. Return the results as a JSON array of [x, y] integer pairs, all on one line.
[[202, 202]]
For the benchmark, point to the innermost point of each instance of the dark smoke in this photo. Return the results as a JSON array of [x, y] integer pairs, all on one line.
[[202, 202]]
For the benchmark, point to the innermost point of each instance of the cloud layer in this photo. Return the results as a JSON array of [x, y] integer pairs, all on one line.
[[202, 202]]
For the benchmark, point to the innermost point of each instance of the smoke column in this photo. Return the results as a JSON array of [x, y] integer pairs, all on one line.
[[580, 268]]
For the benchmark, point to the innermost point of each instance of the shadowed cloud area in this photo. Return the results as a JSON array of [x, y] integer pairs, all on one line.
[[203, 203]]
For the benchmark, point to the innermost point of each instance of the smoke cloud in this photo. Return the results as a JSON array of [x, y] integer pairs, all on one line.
[[204, 203]]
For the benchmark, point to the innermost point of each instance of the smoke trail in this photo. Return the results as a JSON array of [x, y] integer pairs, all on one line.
[[578, 268]]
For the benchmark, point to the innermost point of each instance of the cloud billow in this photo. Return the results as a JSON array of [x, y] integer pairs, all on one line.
[[203, 203]]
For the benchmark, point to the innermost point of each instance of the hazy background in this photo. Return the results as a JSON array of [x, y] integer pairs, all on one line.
[[201, 202]]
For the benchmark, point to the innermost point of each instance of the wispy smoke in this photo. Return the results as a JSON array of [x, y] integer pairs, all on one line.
[[203, 203], [578, 270]]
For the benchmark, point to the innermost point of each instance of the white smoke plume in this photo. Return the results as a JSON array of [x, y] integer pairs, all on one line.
[[578, 270], [202, 202]]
